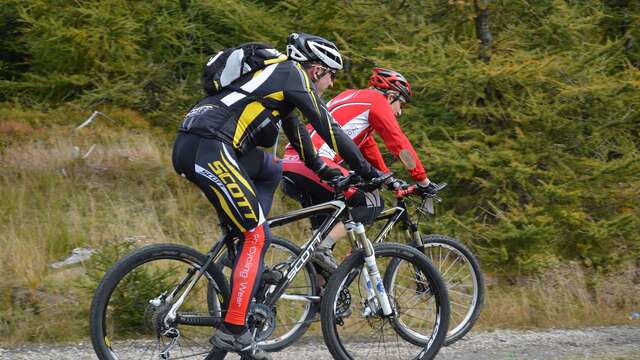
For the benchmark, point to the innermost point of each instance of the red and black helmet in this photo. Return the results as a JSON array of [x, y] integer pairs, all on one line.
[[389, 80]]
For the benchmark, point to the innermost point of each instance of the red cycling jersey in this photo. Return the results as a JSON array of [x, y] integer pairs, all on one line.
[[359, 113]]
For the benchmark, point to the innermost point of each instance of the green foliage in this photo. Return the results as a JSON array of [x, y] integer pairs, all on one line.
[[539, 146], [130, 299]]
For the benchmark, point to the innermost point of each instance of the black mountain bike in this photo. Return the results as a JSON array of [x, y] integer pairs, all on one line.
[[456, 264], [164, 301]]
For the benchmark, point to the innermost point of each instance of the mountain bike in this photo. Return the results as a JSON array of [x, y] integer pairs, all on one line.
[[165, 300], [456, 264]]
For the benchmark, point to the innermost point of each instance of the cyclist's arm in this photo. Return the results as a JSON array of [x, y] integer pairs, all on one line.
[[301, 94], [371, 152], [385, 123], [299, 139]]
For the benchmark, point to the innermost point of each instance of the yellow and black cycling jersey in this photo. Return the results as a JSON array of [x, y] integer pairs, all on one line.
[[250, 111]]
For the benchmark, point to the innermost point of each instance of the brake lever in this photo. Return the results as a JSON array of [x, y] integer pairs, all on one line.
[[427, 206]]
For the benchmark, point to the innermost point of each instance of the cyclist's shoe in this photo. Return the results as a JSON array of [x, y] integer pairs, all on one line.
[[323, 257], [243, 344]]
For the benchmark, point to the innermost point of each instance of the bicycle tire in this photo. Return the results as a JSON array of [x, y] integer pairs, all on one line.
[[99, 337], [470, 318], [309, 313], [463, 315], [301, 326], [351, 265]]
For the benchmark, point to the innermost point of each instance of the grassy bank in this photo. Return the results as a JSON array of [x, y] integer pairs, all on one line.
[[56, 196]]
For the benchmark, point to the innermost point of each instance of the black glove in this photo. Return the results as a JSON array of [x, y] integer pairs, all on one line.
[[327, 173], [374, 173], [395, 184], [428, 191]]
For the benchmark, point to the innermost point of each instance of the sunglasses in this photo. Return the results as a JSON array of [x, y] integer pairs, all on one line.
[[399, 97], [326, 70]]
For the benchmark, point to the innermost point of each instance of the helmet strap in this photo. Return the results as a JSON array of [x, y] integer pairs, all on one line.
[[396, 96]]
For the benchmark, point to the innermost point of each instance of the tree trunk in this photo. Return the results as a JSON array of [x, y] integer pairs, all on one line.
[[482, 29]]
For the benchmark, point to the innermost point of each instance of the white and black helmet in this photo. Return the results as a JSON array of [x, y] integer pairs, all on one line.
[[303, 47]]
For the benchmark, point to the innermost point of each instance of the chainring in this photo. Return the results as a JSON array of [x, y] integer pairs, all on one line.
[[263, 319]]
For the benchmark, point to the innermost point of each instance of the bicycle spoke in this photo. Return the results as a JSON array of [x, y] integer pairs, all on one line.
[[460, 293], [458, 271], [444, 273]]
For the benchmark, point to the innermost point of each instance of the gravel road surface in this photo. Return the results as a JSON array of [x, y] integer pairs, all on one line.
[[607, 343]]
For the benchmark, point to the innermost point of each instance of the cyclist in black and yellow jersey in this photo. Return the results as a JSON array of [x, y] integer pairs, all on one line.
[[216, 149]]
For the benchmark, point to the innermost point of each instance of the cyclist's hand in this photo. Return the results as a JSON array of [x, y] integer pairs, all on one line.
[[374, 173], [395, 184], [327, 173], [429, 190]]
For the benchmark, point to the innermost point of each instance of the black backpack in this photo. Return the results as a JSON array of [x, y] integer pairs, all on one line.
[[230, 64]]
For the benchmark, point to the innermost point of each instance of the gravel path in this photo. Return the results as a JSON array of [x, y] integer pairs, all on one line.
[[609, 343]]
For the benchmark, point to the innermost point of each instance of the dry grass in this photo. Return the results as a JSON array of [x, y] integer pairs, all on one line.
[[54, 200], [567, 296]]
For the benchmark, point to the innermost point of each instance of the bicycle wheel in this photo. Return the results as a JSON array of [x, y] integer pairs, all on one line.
[[296, 309], [131, 301], [465, 284], [353, 331]]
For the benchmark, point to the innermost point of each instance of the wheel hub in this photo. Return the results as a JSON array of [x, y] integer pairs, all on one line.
[[154, 316]]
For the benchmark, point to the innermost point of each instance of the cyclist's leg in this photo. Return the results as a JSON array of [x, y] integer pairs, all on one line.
[[266, 173], [366, 206], [227, 186], [303, 185], [316, 191]]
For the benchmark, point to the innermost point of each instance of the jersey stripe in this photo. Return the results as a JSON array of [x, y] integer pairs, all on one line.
[[300, 142], [236, 173], [333, 138], [278, 96], [349, 104], [225, 207], [257, 80], [308, 87], [249, 114]]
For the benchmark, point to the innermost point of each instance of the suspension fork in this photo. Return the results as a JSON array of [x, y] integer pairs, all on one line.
[[374, 283], [411, 230]]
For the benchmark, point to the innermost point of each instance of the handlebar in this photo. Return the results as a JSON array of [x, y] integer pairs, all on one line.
[[400, 193], [413, 190], [342, 183]]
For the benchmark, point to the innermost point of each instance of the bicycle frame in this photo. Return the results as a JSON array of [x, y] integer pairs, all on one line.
[[337, 210], [398, 212]]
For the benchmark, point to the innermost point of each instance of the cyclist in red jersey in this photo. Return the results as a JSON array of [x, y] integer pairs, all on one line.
[[360, 113]]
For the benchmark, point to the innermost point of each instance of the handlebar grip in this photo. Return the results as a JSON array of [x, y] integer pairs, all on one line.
[[405, 192]]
